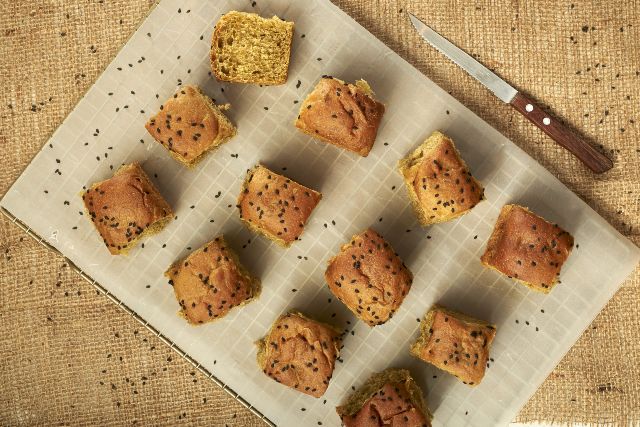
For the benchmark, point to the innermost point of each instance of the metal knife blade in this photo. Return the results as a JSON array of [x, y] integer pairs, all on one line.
[[495, 84]]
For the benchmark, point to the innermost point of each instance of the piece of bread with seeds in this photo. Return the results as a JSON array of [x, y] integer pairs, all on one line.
[[189, 125], [275, 206], [300, 353], [210, 282], [247, 48], [527, 248], [438, 181], [369, 277], [125, 208], [455, 343], [342, 114], [388, 398]]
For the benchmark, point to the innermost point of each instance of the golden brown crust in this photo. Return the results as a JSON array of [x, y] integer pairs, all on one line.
[[252, 71], [125, 207], [455, 343], [189, 124], [275, 206], [300, 353], [388, 398], [210, 282], [439, 183], [527, 248], [342, 114], [369, 277]]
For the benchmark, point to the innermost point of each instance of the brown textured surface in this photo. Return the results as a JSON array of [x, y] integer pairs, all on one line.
[[275, 205], [300, 353], [125, 207], [189, 124], [210, 282], [582, 60], [456, 343], [438, 181], [369, 278], [527, 248], [341, 114]]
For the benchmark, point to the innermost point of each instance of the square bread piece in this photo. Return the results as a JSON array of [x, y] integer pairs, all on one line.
[[300, 353], [369, 277], [455, 343], [125, 208], [210, 282], [275, 206], [527, 248], [438, 181], [189, 124], [247, 48], [342, 114], [388, 398]]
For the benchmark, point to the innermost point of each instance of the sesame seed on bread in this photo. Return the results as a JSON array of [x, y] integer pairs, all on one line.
[[455, 343], [189, 124], [247, 48], [125, 208], [275, 206], [300, 353], [527, 248], [387, 398], [438, 181], [210, 282], [341, 114], [369, 277]]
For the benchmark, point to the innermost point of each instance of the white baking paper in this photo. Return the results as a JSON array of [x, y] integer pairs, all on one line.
[[172, 46]]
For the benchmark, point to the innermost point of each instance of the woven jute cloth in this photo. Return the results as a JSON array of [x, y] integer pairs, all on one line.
[[70, 356]]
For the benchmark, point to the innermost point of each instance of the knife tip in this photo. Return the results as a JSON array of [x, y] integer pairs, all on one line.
[[417, 23], [414, 19]]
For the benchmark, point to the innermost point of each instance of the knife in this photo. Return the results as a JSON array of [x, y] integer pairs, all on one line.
[[553, 127]]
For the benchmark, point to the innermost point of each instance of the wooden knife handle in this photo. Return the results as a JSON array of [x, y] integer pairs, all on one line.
[[561, 134]]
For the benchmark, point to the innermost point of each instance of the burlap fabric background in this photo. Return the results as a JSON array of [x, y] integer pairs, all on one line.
[[70, 356]]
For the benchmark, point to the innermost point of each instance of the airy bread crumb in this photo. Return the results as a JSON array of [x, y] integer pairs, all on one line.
[[247, 48]]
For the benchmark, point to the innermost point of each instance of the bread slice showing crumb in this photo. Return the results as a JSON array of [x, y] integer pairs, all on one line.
[[247, 48]]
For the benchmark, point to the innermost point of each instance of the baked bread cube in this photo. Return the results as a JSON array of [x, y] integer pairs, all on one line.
[[388, 398], [247, 48], [455, 343], [125, 208], [189, 125], [527, 248], [342, 114], [369, 277], [210, 282], [300, 353], [275, 206], [438, 181]]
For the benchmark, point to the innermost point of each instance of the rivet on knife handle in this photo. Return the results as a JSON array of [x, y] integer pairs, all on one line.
[[561, 134]]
